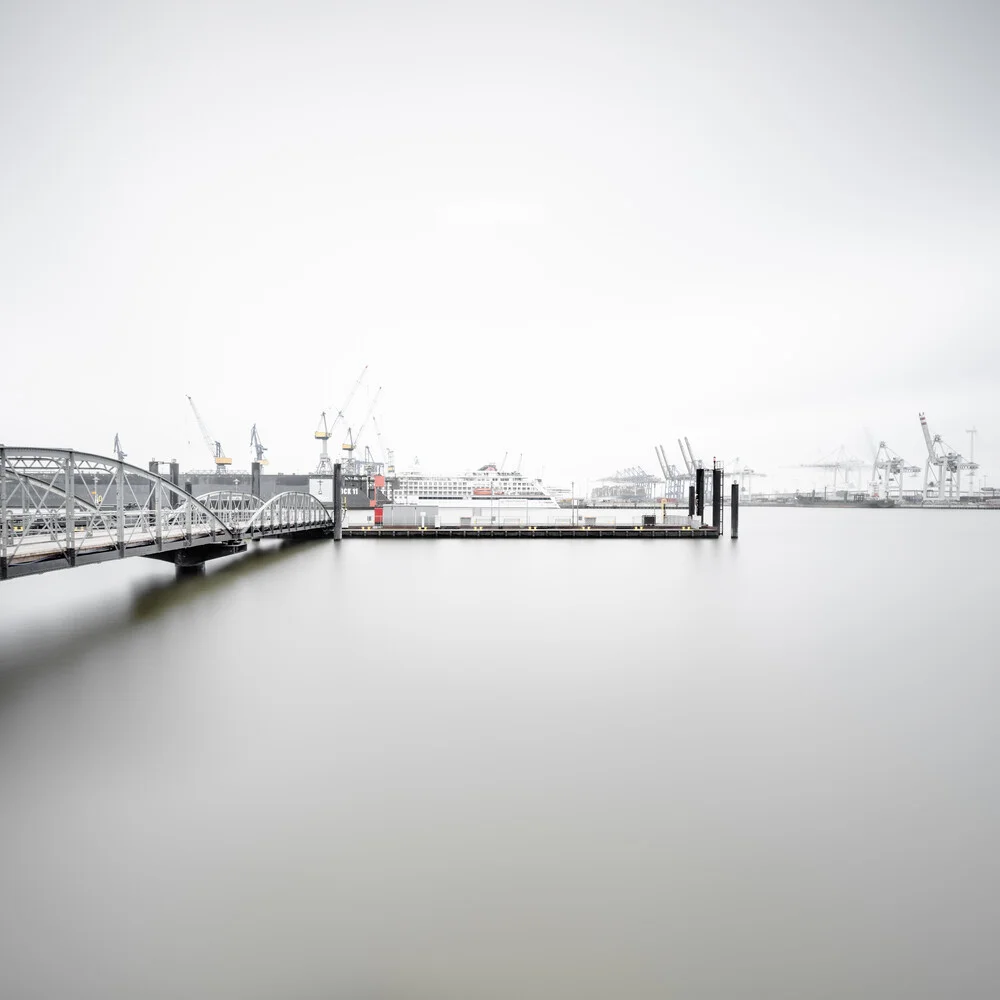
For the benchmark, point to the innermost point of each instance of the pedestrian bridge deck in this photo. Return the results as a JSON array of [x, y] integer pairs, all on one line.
[[62, 508]]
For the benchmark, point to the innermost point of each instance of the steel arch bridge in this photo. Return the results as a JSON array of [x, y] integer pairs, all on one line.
[[62, 508]]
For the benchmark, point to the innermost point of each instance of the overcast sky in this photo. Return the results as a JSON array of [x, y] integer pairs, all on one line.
[[564, 230]]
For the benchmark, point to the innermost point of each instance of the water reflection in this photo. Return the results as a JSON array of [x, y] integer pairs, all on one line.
[[474, 771], [66, 634]]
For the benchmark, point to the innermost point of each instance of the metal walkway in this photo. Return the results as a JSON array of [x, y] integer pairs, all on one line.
[[60, 509]]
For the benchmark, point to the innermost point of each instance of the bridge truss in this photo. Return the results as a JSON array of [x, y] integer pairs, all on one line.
[[63, 508]]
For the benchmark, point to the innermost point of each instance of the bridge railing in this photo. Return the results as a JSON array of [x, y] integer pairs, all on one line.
[[61, 503], [232, 506], [287, 513]]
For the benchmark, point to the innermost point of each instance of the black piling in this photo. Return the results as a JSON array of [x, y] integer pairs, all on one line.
[[154, 466], [188, 486], [338, 505], [255, 479], [734, 513], [175, 478], [699, 493], [717, 498], [690, 501]]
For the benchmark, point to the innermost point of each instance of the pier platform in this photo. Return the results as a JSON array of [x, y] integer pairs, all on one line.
[[539, 531]]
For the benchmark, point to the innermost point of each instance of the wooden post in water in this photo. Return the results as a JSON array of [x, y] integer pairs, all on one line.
[[734, 513], [690, 501], [338, 505]]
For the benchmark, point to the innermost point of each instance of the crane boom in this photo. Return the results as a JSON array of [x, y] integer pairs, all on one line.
[[387, 454], [927, 436], [687, 464], [214, 446], [352, 440], [694, 464], [325, 431], [662, 459]]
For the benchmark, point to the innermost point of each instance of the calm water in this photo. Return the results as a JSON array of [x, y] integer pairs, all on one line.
[[451, 771]]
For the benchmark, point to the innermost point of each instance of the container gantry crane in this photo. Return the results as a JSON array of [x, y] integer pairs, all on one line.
[[324, 432], [675, 481], [258, 448], [943, 468], [214, 446], [888, 470], [119, 454], [745, 476], [840, 463]]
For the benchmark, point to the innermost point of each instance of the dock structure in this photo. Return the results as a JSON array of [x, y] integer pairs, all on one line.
[[535, 531], [62, 508]]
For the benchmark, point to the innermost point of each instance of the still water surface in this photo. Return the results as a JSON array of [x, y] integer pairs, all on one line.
[[512, 769]]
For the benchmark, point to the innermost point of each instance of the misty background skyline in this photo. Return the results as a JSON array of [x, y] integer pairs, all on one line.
[[568, 231]]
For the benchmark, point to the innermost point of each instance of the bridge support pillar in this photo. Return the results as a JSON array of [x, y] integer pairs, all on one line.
[[175, 478], [255, 479], [183, 571], [338, 503]]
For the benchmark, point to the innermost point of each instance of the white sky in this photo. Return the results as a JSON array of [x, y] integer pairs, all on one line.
[[564, 230]]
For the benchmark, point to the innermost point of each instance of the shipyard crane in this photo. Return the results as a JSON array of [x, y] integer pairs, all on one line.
[[214, 446], [387, 454], [352, 439], [943, 468], [258, 448], [118, 450], [324, 431]]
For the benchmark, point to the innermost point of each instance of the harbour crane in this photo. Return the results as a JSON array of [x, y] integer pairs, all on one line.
[[324, 432], [214, 446], [258, 448], [746, 475], [841, 462], [972, 432], [888, 470], [675, 480], [118, 450], [943, 468], [688, 457], [387, 454], [352, 439]]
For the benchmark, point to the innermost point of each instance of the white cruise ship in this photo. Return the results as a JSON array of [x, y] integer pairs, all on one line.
[[488, 485]]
